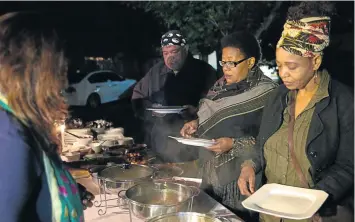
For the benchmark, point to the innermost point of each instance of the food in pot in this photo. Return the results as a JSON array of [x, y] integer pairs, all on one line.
[[79, 173], [164, 197]]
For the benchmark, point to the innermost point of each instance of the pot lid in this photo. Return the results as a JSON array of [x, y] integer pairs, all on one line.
[[119, 173]]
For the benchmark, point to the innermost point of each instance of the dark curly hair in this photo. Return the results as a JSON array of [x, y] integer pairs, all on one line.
[[310, 9], [245, 42]]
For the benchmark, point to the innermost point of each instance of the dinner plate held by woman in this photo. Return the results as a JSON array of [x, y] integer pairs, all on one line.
[[194, 141], [286, 201]]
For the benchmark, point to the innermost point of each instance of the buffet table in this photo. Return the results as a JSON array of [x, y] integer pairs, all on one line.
[[202, 203], [78, 142]]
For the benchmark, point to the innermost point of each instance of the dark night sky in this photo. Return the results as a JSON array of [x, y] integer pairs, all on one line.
[[105, 28], [96, 28]]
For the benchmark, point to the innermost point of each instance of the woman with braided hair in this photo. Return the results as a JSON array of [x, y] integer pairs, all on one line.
[[306, 133]]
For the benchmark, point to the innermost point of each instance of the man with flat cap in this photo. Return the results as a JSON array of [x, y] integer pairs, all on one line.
[[177, 80]]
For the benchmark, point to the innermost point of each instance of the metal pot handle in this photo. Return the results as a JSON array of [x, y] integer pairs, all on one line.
[[223, 219], [195, 191], [121, 196], [156, 170]]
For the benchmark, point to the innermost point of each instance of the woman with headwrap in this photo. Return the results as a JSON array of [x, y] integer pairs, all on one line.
[[306, 133], [231, 114]]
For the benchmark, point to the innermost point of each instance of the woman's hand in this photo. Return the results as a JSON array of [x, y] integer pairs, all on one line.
[[189, 128], [247, 176], [222, 145], [86, 197]]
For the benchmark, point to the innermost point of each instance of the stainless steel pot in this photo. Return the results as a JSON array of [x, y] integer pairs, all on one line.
[[186, 217], [118, 177], [166, 171], [123, 176], [151, 199]]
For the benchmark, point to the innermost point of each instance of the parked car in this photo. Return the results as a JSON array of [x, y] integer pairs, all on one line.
[[96, 88]]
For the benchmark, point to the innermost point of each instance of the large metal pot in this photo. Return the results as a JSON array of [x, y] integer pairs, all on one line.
[[166, 171], [151, 199], [121, 177], [186, 217]]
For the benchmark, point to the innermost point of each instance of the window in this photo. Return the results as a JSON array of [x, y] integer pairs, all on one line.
[[114, 77], [99, 78]]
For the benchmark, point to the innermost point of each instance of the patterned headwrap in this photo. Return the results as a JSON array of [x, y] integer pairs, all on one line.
[[173, 37], [306, 37]]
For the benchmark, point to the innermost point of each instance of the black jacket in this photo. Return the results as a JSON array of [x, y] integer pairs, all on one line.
[[160, 85], [330, 142]]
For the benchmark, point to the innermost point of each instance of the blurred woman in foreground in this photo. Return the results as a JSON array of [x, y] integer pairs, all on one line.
[[231, 114], [34, 186], [306, 137]]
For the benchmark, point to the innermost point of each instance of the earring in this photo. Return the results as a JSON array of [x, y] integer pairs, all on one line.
[[315, 77]]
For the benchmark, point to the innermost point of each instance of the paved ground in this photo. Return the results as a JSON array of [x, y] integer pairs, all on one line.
[[119, 112]]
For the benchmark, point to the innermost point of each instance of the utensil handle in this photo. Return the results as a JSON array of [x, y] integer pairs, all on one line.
[[74, 135], [96, 169], [119, 194]]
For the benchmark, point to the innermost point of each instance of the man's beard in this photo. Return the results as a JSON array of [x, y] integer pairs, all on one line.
[[175, 63]]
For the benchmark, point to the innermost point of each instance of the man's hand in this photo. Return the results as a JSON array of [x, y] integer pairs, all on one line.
[[222, 145], [189, 128], [247, 176]]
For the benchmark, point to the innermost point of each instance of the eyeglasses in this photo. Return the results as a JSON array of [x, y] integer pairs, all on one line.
[[231, 63]]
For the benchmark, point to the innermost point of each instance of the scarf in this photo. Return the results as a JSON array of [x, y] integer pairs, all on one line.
[[64, 193], [231, 111], [306, 37], [220, 89]]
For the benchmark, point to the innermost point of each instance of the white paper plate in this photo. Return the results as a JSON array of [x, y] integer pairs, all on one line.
[[286, 201], [167, 109], [194, 141]]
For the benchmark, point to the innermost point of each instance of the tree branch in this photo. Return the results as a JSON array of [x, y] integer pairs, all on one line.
[[211, 20], [229, 8], [268, 20]]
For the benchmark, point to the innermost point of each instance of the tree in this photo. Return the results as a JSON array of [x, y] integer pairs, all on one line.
[[205, 23]]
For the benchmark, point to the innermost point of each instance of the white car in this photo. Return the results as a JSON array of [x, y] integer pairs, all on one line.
[[96, 88]]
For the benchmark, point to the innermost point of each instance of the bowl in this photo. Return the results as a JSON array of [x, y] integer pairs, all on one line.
[[84, 141], [96, 147], [99, 130], [70, 156], [79, 132], [118, 130], [116, 136], [93, 156], [126, 141]]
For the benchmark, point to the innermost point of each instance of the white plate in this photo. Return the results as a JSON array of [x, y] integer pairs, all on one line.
[[167, 109], [286, 201], [194, 141]]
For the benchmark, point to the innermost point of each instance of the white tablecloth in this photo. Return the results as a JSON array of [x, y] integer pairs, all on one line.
[[116, 214]]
